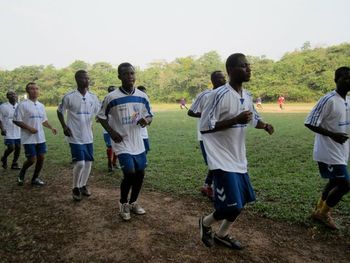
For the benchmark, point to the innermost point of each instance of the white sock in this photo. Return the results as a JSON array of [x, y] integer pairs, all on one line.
[[86, 173], [77, 171], [209, 220], [224, 228]]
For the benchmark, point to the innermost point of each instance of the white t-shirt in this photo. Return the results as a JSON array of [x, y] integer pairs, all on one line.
[[33, 114], [80, 112], [197, 107], [6, 117], [226, 148], [332, 113], [123, 111], [144, 133]]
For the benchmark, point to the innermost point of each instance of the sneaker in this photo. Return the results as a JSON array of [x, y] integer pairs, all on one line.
[[85, 191], [15, 166], [76, 194], [137, 209], [110, 169], [205, 233], [37, 182], [228, 241], [4, 162], [20, 181], [326, 219], [124, 211]]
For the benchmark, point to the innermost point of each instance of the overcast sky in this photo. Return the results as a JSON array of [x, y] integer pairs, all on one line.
[[43, 32]]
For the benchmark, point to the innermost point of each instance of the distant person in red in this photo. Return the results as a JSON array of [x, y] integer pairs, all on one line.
[[281, 101], [183, 104]]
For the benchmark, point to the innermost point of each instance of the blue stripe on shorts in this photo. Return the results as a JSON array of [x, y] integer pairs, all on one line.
[[232, 190]]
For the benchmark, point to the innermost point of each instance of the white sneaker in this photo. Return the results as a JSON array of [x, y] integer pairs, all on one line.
[[124, 211], [137, 209]]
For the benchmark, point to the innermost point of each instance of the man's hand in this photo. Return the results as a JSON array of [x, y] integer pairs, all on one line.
[[244, 117], [142, 122], [54, 131], [115, 136], [32, 130], [269, 128], [67, 131], [3, 132], [340, 137]]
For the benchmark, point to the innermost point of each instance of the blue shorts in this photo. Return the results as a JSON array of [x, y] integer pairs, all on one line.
[[82, 152], [146, 143], [34, 149], [204, 153], [131, 163], [334, 171], [231, 190], [12, 141], [107, 139]]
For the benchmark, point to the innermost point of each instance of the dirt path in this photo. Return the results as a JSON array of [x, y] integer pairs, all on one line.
[[46, 225]]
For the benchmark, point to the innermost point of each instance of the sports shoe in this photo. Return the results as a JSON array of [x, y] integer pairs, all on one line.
[[228, 241], [37, 182], [205, 233], [76, 194], [207, 190], [124, 211], [4, 162], [85, 191], [137, 209], [15, 166], [20, 181], [326, 219]]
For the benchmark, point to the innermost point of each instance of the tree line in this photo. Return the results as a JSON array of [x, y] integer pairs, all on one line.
[[300, 76]]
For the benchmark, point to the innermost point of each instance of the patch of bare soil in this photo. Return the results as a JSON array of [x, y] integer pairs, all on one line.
[[45, 224]]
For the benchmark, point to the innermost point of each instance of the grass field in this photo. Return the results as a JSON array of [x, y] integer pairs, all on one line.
[[281, 167]]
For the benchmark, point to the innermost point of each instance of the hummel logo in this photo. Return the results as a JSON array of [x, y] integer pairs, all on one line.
[[222, 198], [330, 168], [220, 191]]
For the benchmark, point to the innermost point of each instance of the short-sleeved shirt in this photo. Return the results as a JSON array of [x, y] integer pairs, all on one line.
[[7, 111], [33, 114], [123, 112], [197, 107], [80, 112], [226, 148], [332, 113]]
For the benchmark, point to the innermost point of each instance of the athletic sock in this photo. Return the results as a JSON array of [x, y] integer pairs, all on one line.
[[85, 173], [320, 204], [325, 208], [209, 220], [224, 228], [77, 171]]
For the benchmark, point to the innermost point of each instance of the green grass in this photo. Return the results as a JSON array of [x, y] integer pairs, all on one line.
[[281, 168]]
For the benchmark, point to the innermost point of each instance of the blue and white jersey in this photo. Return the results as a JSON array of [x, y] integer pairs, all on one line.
[[7, 111], [331, 113], [33, 114], [197, 107], [80, 112], [226, 148], [123, 112]]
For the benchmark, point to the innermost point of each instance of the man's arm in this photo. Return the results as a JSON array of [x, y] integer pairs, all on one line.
[[65, 128], [48, 125], [337, 137], [24, 126], [266, 126], [115, 136], [191, 113], [3, 131]]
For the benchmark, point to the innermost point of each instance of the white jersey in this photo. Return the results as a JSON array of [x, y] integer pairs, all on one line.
[[144, 133], [80, 112], [32, 114], [197, 107], [123, 111], [332, 113], [7, 111], [226, 148]]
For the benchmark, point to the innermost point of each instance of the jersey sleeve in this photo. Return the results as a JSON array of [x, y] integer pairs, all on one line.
[[44, 114], [147, 112], [62, 107], [102, 113], [18, 114], [1, 113], [321, 110]]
